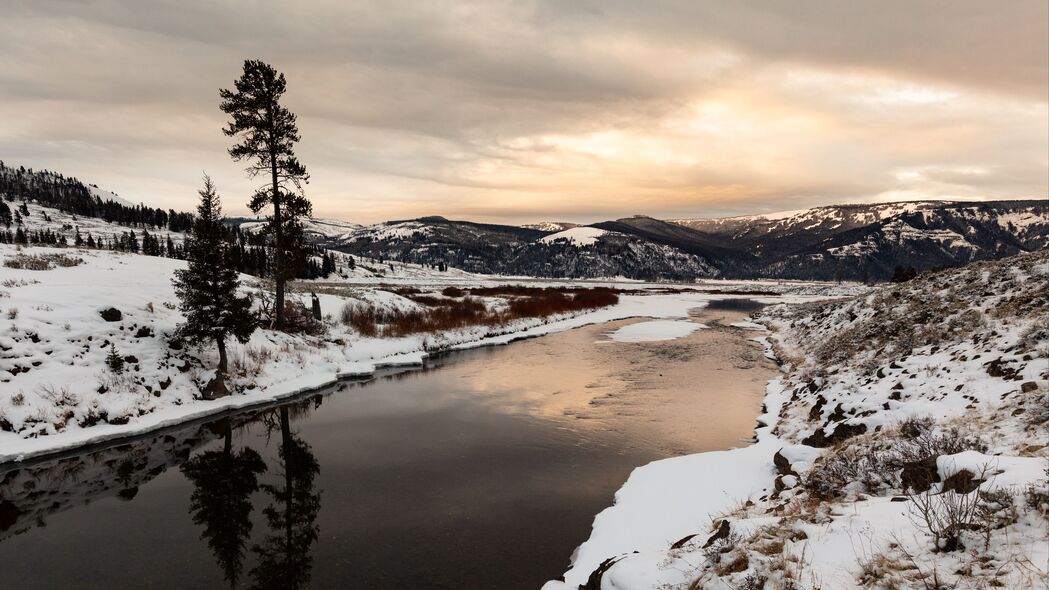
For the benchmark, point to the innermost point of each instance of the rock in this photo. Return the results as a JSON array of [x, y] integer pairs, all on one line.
[[817, 410], [216, 388], [111, 314], [681, 542], [962, 482], [1028, 387], [144, 332], [919, 476], [593, 582], [131, 359], [165, 383], [996, 368], [722, 533], [843, 431], [782, 464]]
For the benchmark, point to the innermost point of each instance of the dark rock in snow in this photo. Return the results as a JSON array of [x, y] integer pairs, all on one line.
[[724, 528], [111, 314], [962, 482], [841, 432], [919, 476]]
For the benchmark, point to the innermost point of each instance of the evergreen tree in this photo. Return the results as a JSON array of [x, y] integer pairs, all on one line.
[[113, 360], [267, 135], [207, 287], [5, 214]]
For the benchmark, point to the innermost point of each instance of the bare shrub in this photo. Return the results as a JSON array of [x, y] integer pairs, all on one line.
[[299, 320], [932, 443], [1036, 496], [946, 515], [451, 314], [41, 261], [12, 313], [852, 463]]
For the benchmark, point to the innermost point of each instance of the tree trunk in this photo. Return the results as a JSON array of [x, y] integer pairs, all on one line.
[[222, 356], [278, 235]]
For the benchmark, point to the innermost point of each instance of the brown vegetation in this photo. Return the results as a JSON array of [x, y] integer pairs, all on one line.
[[451, 312]]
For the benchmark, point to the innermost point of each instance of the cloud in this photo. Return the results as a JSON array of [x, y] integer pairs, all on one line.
[[519, 111]]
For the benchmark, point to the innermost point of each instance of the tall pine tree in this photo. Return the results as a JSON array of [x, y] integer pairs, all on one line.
[[207, 287], [267, 134]]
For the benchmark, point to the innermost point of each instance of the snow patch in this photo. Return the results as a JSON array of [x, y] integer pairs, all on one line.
[[655, 331]]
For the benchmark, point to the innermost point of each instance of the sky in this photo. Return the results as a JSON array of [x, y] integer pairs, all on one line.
[[530, 110]]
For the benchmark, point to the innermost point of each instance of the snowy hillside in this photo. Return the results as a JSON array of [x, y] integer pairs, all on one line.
[[582, 236], [860, 242], [318, 230], [67, 225], [551, 226], [906, 446]]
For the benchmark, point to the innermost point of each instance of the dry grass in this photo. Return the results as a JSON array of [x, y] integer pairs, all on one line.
[[41, 261], [451, 313]]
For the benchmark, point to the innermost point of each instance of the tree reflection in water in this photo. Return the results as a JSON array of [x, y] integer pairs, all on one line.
[[284, 559], [223, 482]]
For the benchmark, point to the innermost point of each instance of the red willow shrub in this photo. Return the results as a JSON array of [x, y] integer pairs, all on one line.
[[449, 314]]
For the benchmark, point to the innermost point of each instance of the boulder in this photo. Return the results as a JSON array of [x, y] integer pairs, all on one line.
[[111, 314], [919, 476], [216, 388], [962, 482]]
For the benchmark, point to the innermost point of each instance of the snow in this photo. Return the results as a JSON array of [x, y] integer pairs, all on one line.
[[581, 236], [655, 331], [108, 196]]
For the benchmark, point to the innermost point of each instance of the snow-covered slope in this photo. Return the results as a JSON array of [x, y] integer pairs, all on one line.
[[316, 229], [582, 236], [551, 226], [67, 225], [906, 446]]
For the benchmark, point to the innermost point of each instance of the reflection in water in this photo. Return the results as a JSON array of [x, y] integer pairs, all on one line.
[[223, 482], [284, 560]]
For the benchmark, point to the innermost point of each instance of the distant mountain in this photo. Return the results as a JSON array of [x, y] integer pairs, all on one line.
[[868, 241], [579, 252], [848, 242]]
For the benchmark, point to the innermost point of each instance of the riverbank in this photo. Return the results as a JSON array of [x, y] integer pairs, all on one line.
[[906, 445]]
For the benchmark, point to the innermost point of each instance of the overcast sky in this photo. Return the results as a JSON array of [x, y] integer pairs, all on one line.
[[518, 111]]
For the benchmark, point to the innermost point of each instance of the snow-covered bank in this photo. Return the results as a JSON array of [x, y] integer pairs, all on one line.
[[906, 446], [56, 391]]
